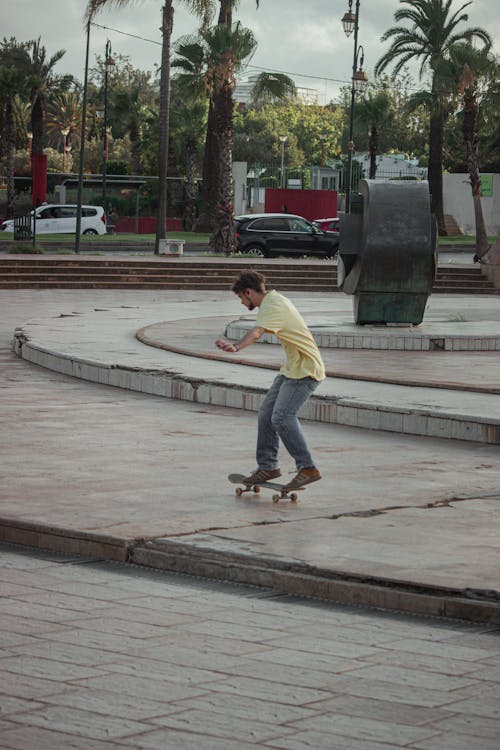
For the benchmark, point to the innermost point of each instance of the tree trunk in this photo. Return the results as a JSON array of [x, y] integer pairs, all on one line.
[[211, 157], [435, 170], [205, 221], [223, 239], [471, 141], [166, 29], [9, 158], [373, 147], [37, 124], [190, 197]]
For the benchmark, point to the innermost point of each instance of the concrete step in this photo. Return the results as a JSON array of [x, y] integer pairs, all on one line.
[[18, 273]]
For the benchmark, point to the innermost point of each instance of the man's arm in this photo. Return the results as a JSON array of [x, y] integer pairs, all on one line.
[[248, 339]]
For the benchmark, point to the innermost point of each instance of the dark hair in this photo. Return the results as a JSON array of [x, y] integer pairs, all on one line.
[[249, 280]]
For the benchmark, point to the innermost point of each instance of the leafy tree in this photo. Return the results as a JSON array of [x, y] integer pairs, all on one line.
[[204, 9], [14, 64], [312, 131], [473, 70], [132, 96], [432, 32]]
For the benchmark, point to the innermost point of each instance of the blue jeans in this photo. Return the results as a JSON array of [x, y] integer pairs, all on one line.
[[278, 419]]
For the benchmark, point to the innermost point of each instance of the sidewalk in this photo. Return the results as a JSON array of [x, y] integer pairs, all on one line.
[[399, 521]]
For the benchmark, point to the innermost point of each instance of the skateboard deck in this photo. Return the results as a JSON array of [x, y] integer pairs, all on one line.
[[279, 494]]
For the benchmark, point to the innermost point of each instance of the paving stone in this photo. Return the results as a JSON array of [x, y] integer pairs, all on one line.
[[226, 725], [83, 723], [48, 739], [388, 731], [457, 742], [163, 738], [112, 703]]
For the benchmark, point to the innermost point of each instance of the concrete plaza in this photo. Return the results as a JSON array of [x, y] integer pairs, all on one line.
[[401, 520]]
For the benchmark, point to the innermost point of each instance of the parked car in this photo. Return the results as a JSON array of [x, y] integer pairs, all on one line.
[[60, 218], [331, 226], [265, 235]]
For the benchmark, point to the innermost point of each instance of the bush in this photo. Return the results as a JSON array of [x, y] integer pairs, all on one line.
[[25, 248]]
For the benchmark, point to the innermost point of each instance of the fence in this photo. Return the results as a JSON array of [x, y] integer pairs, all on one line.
[[23, 227]]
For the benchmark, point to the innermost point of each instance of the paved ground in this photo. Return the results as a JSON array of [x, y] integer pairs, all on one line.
[[118, 473], [102, 656], [97, 655]]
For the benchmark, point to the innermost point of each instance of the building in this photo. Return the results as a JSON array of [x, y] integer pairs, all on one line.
[[244, 90]]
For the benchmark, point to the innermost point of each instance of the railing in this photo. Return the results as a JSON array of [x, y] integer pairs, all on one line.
[[22, 227]]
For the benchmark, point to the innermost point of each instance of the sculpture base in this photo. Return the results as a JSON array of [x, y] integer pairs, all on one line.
[[390, 307]]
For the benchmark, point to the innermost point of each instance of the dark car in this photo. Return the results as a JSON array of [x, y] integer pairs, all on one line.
[[265, 235]]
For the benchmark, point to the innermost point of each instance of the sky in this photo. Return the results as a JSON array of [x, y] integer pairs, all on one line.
[[303, 38]]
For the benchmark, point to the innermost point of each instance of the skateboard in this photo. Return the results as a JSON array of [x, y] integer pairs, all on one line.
[[281, 493]]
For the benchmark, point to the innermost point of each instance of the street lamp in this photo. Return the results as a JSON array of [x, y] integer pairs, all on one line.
[[82, 143], [283, 140], [30, 140], [64, 133], [359, 81], [109, 64]]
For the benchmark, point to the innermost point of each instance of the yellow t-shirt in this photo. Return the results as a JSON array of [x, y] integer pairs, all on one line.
[[279, 316]]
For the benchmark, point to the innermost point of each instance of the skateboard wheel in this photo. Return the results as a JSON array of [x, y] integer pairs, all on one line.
[[294, 497], [238, 491], [256, 489], [276, 498]]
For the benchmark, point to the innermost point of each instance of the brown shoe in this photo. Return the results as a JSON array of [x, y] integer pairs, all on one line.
[[305, 476], [262, 475]]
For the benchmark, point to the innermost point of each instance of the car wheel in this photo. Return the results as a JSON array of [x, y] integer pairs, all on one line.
[[90, 231], [256, 251]]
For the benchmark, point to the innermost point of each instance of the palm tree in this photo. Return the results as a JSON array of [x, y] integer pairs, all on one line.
[[433, 31], [474, 71], [188, 125], [204, 9], [43, 82], [211, 155], [213, 59], [372, 112], [14, 63], [64, 113]]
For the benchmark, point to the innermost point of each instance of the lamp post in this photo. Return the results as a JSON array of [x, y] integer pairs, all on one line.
[[30, 141], [109, 64], [283, 140], [359, 82], [64, 133], [82, 143]]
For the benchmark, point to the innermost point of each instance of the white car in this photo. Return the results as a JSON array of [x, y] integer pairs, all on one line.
[[60, 218]]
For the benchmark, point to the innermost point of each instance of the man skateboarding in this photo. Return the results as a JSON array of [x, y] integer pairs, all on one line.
[[298, 378]]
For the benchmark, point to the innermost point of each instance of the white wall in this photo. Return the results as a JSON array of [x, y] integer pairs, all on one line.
[[457, 199], [240, 187]]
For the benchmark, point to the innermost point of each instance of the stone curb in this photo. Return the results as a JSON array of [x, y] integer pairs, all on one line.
[[332, 409], [306, 581], [294, 578]]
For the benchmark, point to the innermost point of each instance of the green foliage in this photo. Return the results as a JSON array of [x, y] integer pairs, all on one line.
[[257, 132], [118, 166]]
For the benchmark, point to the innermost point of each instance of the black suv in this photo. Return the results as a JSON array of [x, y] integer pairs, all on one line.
[[264, 235]]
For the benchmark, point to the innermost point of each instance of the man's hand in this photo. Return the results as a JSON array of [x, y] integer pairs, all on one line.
[[226, 346]]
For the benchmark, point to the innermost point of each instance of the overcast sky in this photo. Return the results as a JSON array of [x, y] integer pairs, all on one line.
[[303, 38]]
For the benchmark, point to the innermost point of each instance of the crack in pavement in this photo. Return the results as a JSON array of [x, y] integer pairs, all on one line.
[[432, 505]]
